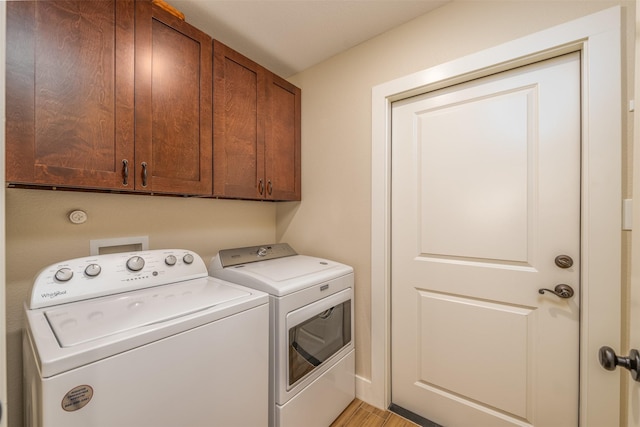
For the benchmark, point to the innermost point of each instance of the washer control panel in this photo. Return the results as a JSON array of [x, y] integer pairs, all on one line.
[[91, 277]]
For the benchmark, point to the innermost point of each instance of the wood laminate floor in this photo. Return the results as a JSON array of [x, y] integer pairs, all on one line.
[[361, 414]]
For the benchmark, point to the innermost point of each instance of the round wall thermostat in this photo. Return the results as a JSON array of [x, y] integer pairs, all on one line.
[[78, 217]]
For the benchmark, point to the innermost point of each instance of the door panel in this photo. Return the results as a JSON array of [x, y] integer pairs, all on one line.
[[485, 168], [485, 195], [453, 364]]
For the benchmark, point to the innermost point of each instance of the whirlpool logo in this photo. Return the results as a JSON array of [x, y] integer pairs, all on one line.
[[52, 294]]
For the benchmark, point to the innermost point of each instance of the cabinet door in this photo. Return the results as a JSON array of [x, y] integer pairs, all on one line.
[[282, 140], [173, 104], [69, 95], [238, 140]]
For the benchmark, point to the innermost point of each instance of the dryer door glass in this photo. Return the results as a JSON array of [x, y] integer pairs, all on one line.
[[317, 339]]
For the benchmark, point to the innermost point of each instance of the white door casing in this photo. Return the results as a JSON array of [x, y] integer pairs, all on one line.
[[633, 387], [485, 194], [597, 37]]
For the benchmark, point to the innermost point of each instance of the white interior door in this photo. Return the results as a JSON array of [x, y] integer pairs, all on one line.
[[485, 196]]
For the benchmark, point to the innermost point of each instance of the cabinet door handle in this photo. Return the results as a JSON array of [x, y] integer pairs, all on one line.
[[260, 187], [125, 172], [269, 187], [144, 174]]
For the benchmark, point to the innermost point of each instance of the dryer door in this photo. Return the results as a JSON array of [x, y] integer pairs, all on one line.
[[317, 332]]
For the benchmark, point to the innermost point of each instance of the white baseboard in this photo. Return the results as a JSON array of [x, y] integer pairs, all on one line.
[[365, 392]]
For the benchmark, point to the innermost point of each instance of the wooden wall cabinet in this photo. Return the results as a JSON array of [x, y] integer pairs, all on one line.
[[173, 79], [74, 69], [69, 92], [118, 95], [256, 139]]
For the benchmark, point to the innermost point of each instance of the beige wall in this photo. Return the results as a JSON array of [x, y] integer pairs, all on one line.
[[39, 233], [334, 218]]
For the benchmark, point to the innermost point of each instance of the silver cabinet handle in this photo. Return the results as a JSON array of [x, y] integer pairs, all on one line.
[[260, 187]]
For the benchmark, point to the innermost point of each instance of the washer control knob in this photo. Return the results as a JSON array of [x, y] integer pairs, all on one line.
[[188, 259], [92, 270], [135, 263], [170, 260], [64, 274]]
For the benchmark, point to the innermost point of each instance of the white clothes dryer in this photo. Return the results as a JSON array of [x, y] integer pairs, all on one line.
[[312, 356], [144, 339]]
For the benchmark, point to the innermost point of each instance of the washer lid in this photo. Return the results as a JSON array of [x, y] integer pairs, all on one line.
[[81, 322], [282, 276]]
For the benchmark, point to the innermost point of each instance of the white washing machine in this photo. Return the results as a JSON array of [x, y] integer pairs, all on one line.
[[144, 339], [312, 371]]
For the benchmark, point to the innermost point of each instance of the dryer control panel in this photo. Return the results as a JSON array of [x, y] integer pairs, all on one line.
[[231, 257], [90, 277]]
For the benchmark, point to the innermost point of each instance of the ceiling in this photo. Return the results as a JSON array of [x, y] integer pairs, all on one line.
[[288, 36]]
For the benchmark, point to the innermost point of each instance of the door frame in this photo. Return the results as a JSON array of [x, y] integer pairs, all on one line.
[[632, 389], [3, 344], [598, 38]]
